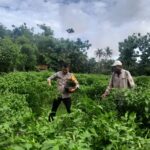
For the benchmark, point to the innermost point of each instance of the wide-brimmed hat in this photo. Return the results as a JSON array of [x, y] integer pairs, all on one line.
[[117, 63]]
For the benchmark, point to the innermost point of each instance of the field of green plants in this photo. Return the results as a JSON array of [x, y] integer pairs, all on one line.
[[119, 122]]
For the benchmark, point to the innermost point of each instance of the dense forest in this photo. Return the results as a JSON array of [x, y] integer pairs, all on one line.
[[22, 49]]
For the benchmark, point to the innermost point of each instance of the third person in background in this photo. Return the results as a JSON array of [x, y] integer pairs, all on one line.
[[120, 79]]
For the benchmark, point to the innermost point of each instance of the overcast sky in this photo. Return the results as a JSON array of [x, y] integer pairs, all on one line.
[[102, 22]]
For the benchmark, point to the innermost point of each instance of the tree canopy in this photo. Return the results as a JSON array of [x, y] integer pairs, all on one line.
[[22, 49], [135, 53]]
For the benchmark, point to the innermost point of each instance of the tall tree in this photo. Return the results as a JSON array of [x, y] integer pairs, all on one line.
[[127, 52], [99, 53], [22, 30], [144, 47], [4, 31], [28, 53], [9, 55], [108, 52], [47, 30], [135, 53]]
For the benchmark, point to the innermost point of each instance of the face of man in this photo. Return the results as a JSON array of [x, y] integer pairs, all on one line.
[[65, 70], [117, 69]]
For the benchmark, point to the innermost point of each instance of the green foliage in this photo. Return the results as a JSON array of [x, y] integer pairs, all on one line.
[[135, 53], [28, 52], [9, 55], [14, 114], [93, 124], [31, 85], [23, 49], [136, 100], [4, 31], [143, 81]]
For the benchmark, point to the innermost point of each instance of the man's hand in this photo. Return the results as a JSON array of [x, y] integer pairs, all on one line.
[[49, 82], [71, 90], [104, 95]]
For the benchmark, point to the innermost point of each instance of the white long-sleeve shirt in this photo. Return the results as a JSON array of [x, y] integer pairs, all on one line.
[[124, 80], [62, 81]]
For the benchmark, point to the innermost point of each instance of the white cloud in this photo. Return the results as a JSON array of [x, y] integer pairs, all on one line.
[[102, 22]]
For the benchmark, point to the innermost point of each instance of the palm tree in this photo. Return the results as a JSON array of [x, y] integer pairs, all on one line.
[[99, 53], [108, 52]]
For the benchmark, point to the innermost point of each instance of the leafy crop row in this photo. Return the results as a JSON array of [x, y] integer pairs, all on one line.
[[119, 122]]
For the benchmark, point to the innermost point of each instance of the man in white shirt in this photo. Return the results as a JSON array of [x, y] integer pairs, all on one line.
[[120, 78], [63, 77]]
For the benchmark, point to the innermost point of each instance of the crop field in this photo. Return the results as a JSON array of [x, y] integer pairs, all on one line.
[[121, 121]]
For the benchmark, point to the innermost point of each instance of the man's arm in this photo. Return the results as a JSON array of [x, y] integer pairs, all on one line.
[[130, 80], [54, 76], [109, 87]]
